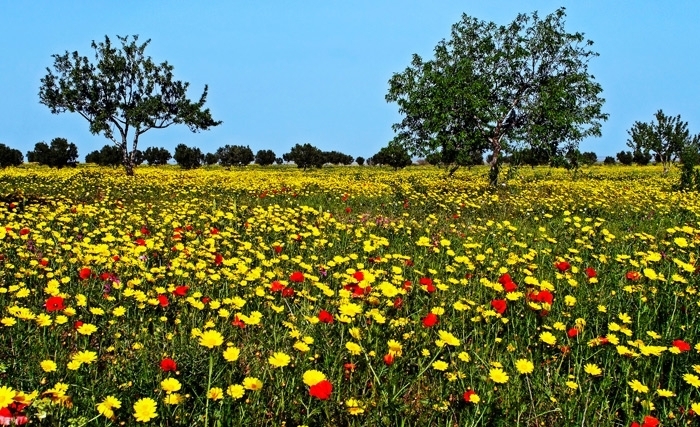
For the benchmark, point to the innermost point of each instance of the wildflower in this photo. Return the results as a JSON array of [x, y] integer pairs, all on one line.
[[54, 304], [572, 332], [548, 338], [252, 383], [167, 365], [215, 393], [692, 380], [430, 320], [211, 339], [665, 393], [7, 395], [440, 365], [498, 376], [170, 385], [173, 399], [592, 369], [470, 396], [84, 273], [48, 365], [325, 317], [107, 406], [296, 277], [313, 377], [388, 359], [86, 357], [524, 366], [448, 338], [572, 385], [395, 348], [279, 360], [591, 273], [499, 305], [145, 409], [321, 390], [681, 345], [353, 348], [236, 391], [86, 329], [163, 300], [562, 266], [231, 353], [638, 386], [633, 275], [181, 291]]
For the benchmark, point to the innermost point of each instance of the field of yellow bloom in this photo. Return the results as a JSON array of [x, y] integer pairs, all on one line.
[[348, 296]]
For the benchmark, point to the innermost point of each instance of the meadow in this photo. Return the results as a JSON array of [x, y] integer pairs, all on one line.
[[348, 296]]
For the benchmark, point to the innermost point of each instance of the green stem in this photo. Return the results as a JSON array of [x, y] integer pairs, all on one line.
[[211, 368]]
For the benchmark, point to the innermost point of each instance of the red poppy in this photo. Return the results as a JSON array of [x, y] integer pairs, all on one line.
[[562, 266], [44, 262], [398, 302], [205, 300], [218, 259], [542, 296], [510, 286], [181, 291], [407, 285], [214, 230], [572, 332], [426, 281], [505, 278], [85, 273], [430, 320], [591, 273], [115, 258], [635, 424], [348, 210], [163, 300], [167, 365], [54, 304], [468, 395], [321, 390], [297, 277], [359, 276], [408, 263], [325, 317], [238, 322], [140, 242], [650, 421], [499, 305], [77, 324], [681, 345], [388, 359], [287, 292], [276, 286], [278, 249], [633, 275], [24, 231], [13, 414]]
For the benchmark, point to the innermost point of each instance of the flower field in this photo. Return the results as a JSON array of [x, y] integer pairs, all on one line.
[[348, 296]]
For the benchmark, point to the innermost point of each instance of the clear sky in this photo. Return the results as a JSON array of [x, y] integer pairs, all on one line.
[[281, 72]]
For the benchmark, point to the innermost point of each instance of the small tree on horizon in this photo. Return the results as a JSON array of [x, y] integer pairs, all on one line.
[[59, 154], [10, 156]]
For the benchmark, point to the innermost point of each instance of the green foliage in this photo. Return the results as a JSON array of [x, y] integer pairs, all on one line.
[[123, 91], [690, 176], [609, 160], [524, 82], [59, 154], [109, 155], [305, 156], [156, 156], [625, 157], [211, 159], [393, 155], [589, 158], [666, 138], [360, 161], [188, 157], [337, 158], [10, 156], [265, 157], [235, 155], [641, 157]]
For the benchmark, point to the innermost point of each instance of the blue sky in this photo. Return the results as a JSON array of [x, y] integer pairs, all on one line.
[[281, 73]]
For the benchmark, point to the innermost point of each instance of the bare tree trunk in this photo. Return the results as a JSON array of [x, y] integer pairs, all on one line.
[[493, 173]]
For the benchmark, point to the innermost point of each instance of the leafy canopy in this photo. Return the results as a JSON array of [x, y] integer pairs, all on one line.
[[122, 93], [525, 82]]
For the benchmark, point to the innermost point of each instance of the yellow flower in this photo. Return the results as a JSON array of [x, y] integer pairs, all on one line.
[[301, 346], [498, 376], [524, 366], [252, 383], [231, 354], [665, 393], [279, 360], [313, 377], [692, 380], [548, 338], [695, 407], [145, 409], [395, 348], [86, 357], [211, 339], [173, 399], [170, 385], [6, 396], [74, 365], [107, 406], [572, 385], [215, 393], [48, 365], [353, 348], [440, 365], [236, 391], [592, 369], [448, 338], [638, 386], [87, 329]]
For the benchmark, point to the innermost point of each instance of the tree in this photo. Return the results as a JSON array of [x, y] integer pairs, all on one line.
[[525, 82], [625, 157], [156, 156], [123, 92], [589, 158], [211, 159], [10, 156], [109, 155], [265, 157], [236, 155], [360, 161], [337, 158], [305, 156], [641, 157], [279, 161], [393, 155], [187, 157], [667, 137], [59, 154], [609, 160]]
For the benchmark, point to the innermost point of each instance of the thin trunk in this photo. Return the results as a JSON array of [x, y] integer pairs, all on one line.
[[493, 173], [127, 159]]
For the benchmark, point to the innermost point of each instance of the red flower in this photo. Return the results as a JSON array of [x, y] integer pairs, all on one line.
[[430, 320], [181, 291], [398, 302], [542, 296], [44, 262], [85, 273], [278, 249], [163, 300], [218, 259], [562, 266], [238, 322], [167, 365], [140, 242], [650, 421], [205, 300], [24, 231], [572, 332], [407, 285], [276, 286], [426, 281], [287, 292], [635, 424], [681, 345], [214, 230], [54, 304], [468, 395], [388, 359], [297, 277], [359, 276], [633, 275], [77, 324], [499, 305], [505, 278], [325, 317], [591, 273], [348, 210], [321, 390]]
